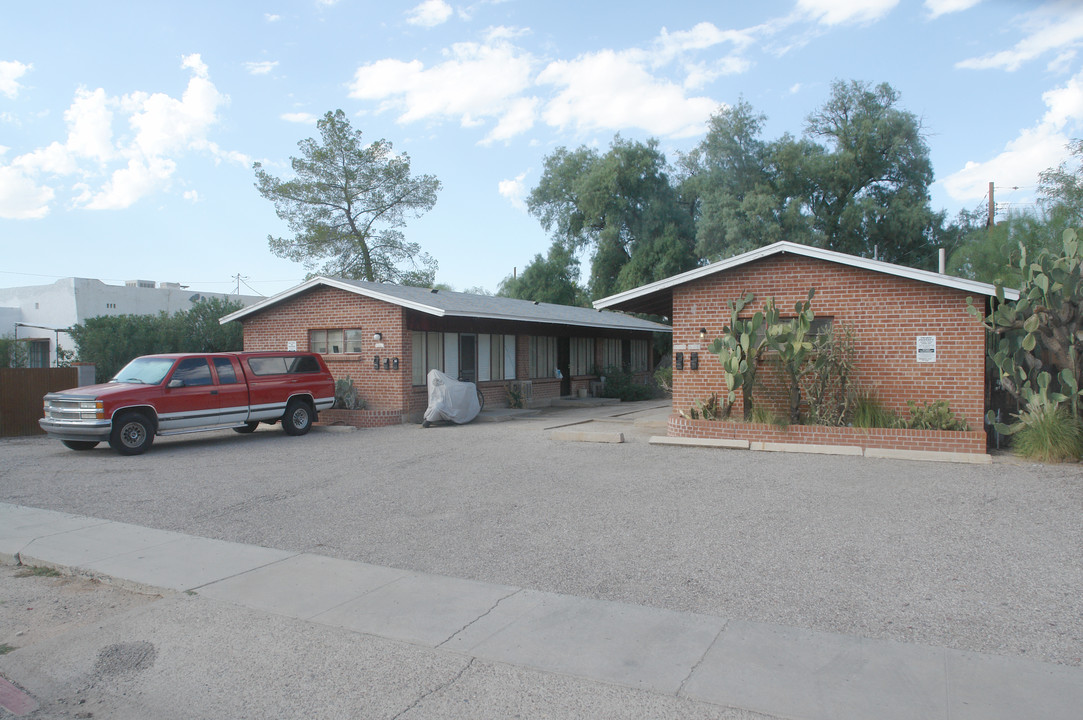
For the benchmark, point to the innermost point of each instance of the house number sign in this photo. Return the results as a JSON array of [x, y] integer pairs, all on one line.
[[926, 348]]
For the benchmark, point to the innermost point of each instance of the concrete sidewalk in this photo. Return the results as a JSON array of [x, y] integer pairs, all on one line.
[[772, 669]]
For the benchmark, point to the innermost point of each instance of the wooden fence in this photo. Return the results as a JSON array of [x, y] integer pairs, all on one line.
[[21, 390]]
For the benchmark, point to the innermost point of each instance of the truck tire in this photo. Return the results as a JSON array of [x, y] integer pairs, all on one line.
[[298, 417], [132, 434], [80, 444]]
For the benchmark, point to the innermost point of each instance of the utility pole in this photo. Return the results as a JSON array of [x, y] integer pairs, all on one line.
[[238, 277], [992, 207]]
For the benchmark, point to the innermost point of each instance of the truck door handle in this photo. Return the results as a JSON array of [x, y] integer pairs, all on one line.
[[214, 392]]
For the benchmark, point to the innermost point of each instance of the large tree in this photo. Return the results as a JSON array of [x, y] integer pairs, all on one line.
[[867, 187], [735, 184], [620, 205], [347, 203], [551, 279]]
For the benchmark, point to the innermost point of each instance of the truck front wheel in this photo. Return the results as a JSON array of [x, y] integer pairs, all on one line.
[[132, 434], [298, 417]]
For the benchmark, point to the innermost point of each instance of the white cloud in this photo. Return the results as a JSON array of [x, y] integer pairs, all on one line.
[[191, 196], [1052, 27], [1034, 150], [937, 8], [126, 186], [10, 72], [194, 62], [514, 191], [299, 117], [112, 172], [261, 67], [271, 17], [610, 90], [430, 13], [21, 197], [839, 12], [477, 82], [496, 83]]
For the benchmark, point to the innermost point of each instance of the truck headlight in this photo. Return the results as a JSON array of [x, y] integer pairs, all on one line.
[[91, 410]]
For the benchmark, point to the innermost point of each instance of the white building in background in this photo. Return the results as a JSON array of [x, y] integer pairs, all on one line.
[[42, 314]]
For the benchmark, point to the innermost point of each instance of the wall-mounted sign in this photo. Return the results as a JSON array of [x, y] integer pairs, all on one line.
[[291, 345], [926, 348]]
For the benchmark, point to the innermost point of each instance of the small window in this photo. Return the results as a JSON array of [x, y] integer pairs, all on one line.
[[193, 372], [226, 374], [582, 356], [335, 342], [267, 365]]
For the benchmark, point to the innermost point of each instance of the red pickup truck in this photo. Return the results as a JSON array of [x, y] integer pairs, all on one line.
[[183, 393]]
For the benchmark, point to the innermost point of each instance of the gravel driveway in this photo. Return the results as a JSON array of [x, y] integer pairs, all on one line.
[[983, 558]]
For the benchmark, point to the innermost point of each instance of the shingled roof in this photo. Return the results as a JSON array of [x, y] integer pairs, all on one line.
[[445, 303]]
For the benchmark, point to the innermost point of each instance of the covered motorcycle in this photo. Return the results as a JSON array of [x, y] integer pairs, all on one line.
[[450, 399]]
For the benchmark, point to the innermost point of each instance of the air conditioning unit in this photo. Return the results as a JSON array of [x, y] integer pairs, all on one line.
[[525, 388]]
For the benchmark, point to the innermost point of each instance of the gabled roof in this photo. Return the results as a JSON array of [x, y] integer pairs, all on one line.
[[445, 303], [657, 299]]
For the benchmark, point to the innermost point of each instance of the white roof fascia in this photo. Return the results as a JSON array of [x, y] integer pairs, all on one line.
[[320, 280], [785, 246]]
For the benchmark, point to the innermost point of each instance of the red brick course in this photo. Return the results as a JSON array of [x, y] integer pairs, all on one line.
[[879, 438]]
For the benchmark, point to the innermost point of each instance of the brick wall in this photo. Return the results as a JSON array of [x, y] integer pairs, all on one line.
[[865, 438], [886, 312], [331, 308]]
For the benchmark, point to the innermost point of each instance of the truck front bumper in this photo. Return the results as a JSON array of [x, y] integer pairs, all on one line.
[[92, 430]]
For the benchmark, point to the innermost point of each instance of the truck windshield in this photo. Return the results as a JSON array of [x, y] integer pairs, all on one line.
[[146, 371]]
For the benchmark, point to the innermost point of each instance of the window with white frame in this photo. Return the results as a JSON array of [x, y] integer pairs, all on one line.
[[496, 357], [582, 356], [335, 342], [543, 357]]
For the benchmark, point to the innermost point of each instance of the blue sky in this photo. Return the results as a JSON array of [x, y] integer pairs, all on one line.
[[128, 130]]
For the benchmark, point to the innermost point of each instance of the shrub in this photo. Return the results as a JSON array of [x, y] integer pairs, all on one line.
[[622, 385], [347, 396], [515, 396], [827, 378], [765, 416], [1050, 432], [713, 408], [869, 413], [937, 416], [664, 378]]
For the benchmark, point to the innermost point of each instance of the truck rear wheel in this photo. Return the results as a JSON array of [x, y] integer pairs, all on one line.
[[298, 417], [132, 434], [80, 444]]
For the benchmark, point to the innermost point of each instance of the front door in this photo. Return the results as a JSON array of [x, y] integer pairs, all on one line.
[[468, 358]]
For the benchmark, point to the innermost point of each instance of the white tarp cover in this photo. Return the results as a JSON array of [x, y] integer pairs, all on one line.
[[450, 399]]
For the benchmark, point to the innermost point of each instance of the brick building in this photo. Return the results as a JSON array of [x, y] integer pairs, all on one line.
[[914, 339], [387, 337]]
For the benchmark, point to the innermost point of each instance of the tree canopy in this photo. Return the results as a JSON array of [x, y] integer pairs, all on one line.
[[110, 341], [622, 206], [857, 181], [347, 204], [550, 279]]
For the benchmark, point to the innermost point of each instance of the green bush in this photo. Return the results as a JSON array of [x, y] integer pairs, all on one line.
[[1050, 432], [622, 385], [937, 416], [664, 378], [869, 413], [347, 396]]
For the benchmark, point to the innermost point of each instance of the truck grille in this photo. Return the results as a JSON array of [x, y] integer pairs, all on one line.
[[69, 409]]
